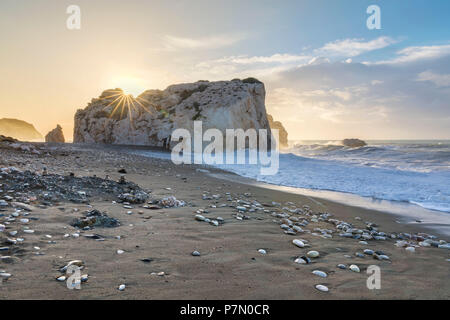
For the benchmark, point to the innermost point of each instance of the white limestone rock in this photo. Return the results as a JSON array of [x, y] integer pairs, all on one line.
[[116, 118]]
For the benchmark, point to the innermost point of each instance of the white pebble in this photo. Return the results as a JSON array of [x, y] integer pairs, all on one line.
[[313, 254], [322, 288], [320, 273], [354, 268], [298, 243], [121, 287]]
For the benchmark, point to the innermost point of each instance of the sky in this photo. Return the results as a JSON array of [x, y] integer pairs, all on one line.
[[327, 76]]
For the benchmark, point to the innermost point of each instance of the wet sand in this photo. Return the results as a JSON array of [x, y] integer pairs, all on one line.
[[229, 267]]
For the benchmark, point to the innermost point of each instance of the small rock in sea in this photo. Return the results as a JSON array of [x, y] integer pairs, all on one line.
[[322, 288], [354, 268], [342, 266], [313, 254], [121, 287], [196, 254], [410, 249], [320, 273], [262, 251], [298, 243]]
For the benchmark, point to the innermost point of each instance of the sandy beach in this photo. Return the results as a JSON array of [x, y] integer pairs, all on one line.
[[157, 243]]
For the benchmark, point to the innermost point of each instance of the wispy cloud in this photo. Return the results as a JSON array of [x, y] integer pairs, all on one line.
[[174, 43], [440, 80], [416, 53], [353, 47]]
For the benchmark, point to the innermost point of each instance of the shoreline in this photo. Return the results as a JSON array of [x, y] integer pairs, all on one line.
[[230, 266]]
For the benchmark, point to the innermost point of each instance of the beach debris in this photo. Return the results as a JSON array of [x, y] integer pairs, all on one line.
[[134, 197], [322, 288], [171, 202], [95, 218]]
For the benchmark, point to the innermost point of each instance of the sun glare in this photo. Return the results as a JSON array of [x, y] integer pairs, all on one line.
[[129, 85]]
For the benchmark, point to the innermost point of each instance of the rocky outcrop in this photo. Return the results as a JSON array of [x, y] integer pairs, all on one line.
[[19, 129], [354, 143], [56, 135], [149, 119], [283, 134]]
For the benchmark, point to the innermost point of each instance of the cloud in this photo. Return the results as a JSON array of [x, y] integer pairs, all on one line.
[[440, 80], [175, 43], [335, 99], [353, 47], [417, 53]]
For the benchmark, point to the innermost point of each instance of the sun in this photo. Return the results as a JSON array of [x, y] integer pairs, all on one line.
[[130, 85]]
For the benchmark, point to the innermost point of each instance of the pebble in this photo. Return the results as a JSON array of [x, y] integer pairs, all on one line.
[[196, 254], [354, 268], [410, 249], [298, 243], [121, 287], [262, 251], [322, 288], [342, 266], [312, 254], [61, 278], [320, 273], [120, 251], [369, 252]]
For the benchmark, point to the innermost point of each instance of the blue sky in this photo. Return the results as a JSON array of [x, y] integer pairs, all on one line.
[[327, 75]]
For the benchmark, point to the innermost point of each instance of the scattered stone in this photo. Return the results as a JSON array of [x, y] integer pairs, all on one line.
[[121, 287], [320, 273], [322, 288], [195, 254], [298, 243], [354, 268], [262, 251], [313, 254]]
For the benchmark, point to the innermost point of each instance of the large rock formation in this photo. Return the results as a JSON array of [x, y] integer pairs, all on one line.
[[19, 129], [116, 118], [56, 135], [283, 134]]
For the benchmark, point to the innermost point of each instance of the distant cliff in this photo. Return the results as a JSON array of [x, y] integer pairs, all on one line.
[[18, 129], [283, 134], [116, 118]]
